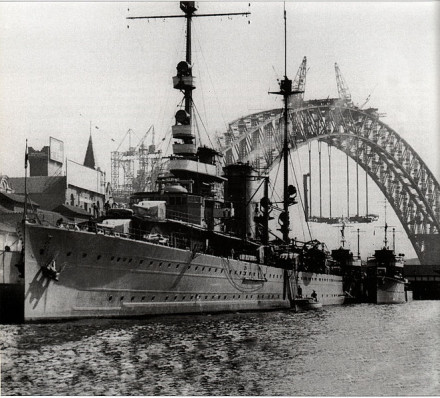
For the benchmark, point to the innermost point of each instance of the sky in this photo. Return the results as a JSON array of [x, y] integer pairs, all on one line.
[[66, 66]]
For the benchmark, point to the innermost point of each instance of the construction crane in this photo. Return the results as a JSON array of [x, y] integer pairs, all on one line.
[[135, 169], [344, 92], [299, 84]]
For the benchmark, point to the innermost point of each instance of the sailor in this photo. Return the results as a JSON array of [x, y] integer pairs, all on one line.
[[107, 207], [300, 292], [314, 296]]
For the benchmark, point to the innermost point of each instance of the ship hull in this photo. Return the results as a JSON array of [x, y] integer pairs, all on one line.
[[11, 288], [108, 276], [386, 291]]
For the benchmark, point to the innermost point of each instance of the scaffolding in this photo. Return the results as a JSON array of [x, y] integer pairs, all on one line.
[[135, 169]]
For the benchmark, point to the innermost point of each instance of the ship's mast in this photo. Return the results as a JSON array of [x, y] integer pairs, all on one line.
[[189, 8], [184, 80], [286, 92]]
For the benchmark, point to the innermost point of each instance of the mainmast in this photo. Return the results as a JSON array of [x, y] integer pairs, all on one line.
[[288, 190]]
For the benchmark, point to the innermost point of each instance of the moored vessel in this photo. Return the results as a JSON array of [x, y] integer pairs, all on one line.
[[384, 281], [350, 266], [194, 245]]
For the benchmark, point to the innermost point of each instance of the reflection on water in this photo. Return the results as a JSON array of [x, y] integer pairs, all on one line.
[[351, 350]]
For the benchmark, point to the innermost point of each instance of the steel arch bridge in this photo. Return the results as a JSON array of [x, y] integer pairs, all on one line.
[[399, 172]]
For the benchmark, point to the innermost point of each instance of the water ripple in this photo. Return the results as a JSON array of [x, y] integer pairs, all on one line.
[[351, 350]]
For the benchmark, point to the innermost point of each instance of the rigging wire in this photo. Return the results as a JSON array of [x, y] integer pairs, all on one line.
[[211, 81], [195, 35], [300, 195], [201, 121]]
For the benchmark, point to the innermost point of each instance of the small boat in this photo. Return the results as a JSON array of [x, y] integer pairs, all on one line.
[[307, 303]]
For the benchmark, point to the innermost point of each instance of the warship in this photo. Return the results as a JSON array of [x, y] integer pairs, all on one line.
[[384, 281], [200, 243]]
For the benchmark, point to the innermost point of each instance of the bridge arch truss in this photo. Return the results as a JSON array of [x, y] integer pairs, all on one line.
[[399, 172]]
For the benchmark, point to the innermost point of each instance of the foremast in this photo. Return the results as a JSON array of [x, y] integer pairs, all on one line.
[[194, 167]]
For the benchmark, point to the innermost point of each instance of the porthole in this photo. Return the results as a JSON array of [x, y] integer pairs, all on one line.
[[84, 255], [119, 259], [166, 298], [192, 297], [203, 268], [160, 264], [175, 298], [141, 261], [183, 298], [41, 251], [132, 298], [68, 254], [151, 262], [143, 298], [177, 266], [206, 297], [98, 257], [122, 298], [110, 298], [209, 270], [124, 259], [169, 265], [224, 297], [233, 296], [112, 258], [152, 298], [197, 267], [130, 260]]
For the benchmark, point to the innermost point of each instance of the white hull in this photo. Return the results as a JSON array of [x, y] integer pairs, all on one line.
[[108, 276]]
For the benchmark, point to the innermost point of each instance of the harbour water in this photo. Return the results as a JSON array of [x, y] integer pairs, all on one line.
[[342, 350]]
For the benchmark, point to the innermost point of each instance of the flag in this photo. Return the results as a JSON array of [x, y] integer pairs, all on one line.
[[26, 157]]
